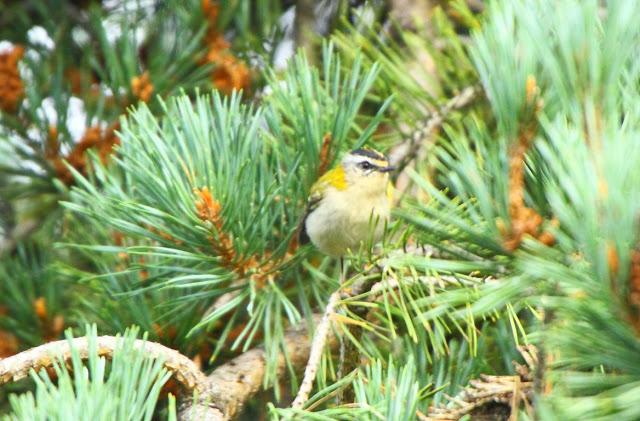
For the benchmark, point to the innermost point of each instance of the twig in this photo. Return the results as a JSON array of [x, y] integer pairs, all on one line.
[[18, 366], [507, 390], [416, 144], [317, 346], [440, 281], [541, 387], [341, 368]]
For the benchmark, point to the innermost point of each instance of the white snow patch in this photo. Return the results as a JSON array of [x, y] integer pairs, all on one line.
[[76, 118], [76, 121], [26, 74], [286, 47], [284, 51], [112, 29], [364, 15], [39, 36], [287, 19], [32, 55], [5, 46], [80, 36]]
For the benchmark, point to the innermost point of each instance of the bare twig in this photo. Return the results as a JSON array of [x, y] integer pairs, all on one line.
[[319, 340], [18, 366], [342, 357], [508, 390], [440, 281], [416, 143]]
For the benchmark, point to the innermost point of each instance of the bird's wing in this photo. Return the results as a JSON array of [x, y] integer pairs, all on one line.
[[334, 178], [312, 203]]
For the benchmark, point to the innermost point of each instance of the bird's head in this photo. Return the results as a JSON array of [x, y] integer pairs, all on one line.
[[367, 170]]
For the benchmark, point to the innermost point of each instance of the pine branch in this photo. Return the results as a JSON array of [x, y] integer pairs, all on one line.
[[18, 366], [234, 383], [220, 396]]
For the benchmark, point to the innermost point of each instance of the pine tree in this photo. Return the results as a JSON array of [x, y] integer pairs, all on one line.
[[155, 161]]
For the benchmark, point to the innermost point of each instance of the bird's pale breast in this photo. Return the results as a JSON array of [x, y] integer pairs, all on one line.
[[343, 221]]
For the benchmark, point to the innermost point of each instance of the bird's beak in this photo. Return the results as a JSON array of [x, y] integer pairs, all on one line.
[[387, 169]]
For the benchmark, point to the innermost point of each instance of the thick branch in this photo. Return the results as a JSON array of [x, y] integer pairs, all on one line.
[[18, 366], [234, 383]]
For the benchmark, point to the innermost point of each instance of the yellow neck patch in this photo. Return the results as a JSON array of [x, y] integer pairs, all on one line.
[[334, 178]]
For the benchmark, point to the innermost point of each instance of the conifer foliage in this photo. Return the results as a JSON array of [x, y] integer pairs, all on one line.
[[156, 159]]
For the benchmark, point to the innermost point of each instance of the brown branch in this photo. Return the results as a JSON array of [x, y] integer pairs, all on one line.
[[234, 383], [633, 298], [18, 366]]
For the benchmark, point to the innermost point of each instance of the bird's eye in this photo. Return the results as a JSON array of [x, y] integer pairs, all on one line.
[[365, 165]]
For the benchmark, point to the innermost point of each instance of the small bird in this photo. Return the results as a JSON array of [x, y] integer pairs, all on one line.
[[347, 202]]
